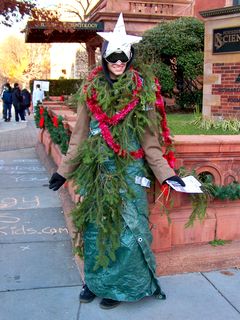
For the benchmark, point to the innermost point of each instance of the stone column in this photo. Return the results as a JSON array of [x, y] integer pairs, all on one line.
[[221, 82], [91, 55]]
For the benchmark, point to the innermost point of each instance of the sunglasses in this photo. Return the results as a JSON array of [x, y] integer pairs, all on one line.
[[115, 57]]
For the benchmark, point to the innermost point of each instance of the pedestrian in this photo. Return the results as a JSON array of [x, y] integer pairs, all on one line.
[[7, 102], [37, 97], [112, 147], [26, 96], [18, 103]]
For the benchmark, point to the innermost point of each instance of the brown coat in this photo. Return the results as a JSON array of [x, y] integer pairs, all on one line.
[[150, 145]]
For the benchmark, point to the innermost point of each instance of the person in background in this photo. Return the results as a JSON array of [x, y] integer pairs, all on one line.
[[7, 102], [37, 97], [26, 98], [17, 103]]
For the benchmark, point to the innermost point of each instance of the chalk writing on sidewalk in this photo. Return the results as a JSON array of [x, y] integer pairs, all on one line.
[[27, 178], [21, 203], [11, 225], [26, 230], [25, 160], [5, 218], [22, 169]]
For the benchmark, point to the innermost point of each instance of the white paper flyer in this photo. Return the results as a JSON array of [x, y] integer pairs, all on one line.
[[192, 185]]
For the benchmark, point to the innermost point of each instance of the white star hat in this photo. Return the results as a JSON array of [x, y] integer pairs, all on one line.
[[118, 40]]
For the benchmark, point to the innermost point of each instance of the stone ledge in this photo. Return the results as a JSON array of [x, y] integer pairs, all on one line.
[[200, 258]]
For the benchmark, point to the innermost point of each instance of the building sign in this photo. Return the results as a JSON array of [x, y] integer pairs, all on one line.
[[91, 26], [44, 85], [226, 40], [97, 26]]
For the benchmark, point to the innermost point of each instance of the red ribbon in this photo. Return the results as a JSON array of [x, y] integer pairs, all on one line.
[[41, 122], [55, 121]]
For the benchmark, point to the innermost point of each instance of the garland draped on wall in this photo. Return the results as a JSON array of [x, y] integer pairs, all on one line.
[[55, 127]]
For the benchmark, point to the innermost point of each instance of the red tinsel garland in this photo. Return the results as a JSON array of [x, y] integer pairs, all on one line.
[[169, 155], [105, 121]]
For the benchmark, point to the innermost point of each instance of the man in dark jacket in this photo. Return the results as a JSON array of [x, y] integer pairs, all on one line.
[[26, 96], [7, 102], [17, 103]]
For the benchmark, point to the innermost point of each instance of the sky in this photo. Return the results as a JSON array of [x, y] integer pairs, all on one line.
[[17, 27]]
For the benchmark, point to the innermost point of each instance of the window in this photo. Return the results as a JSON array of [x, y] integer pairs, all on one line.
[[236, 2]]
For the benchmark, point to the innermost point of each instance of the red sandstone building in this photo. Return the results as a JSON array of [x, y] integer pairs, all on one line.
[[139, 16]]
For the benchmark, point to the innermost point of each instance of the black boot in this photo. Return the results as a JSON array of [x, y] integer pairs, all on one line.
[[86, 295], [109, 303]]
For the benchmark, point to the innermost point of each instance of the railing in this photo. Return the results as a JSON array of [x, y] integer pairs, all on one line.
[[150, 8], [180, 8]]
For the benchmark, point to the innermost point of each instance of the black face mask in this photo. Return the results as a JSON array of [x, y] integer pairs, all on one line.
[[115, 57]]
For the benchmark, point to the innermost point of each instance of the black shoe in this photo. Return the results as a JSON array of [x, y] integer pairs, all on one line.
[[86, 295], [109, 303]]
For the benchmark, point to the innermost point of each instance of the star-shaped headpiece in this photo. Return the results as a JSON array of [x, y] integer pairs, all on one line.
[[119, 40]]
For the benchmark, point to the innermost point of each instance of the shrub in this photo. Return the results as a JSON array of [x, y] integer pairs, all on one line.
[[58, 87], [175, 52]]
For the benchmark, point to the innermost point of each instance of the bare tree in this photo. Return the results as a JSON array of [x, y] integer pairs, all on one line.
[[79, 8]]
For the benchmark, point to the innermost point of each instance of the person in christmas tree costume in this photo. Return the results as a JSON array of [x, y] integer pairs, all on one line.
[[114, 143]]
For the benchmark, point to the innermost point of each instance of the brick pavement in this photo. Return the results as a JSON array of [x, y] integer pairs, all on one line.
[[18, 135]]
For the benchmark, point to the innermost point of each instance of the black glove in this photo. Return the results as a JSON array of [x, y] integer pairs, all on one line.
[[176, 179], [56, 181]]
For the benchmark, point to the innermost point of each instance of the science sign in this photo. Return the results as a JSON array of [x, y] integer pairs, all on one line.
[[226, 40]]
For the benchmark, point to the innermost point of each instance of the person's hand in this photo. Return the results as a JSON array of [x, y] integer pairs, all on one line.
[[176, 179], [56, 181]]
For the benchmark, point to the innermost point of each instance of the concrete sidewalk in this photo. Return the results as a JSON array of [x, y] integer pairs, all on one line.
[[39, 277]]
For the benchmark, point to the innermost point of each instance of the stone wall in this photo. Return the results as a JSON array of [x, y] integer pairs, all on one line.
[[173, 243]]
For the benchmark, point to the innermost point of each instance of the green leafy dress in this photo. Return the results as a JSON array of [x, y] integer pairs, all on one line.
[[113, 216]]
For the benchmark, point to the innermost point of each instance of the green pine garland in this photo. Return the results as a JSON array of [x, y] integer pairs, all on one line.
[[228, 192], [59, 134], [104, 185], [211, 191]]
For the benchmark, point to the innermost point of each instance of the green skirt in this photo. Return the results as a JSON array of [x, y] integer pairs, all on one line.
[[132, 276]]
